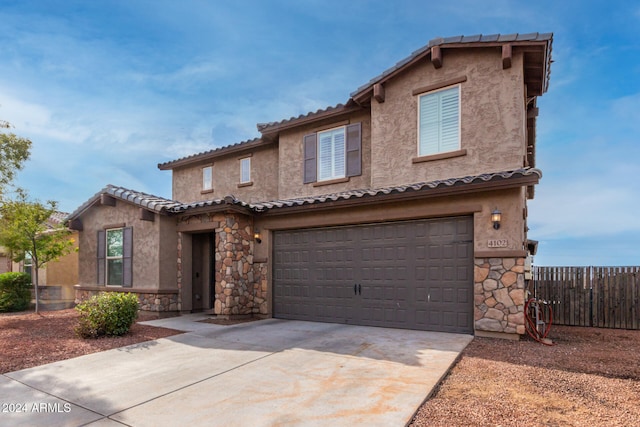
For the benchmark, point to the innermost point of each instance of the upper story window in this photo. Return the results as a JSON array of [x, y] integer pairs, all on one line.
[[207, 178], [245, 170], [333, 154], [439, 121]]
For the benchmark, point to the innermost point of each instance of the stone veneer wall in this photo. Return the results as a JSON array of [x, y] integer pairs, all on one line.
[[234, 262], [260, 304], [149, 301], [499, 295]]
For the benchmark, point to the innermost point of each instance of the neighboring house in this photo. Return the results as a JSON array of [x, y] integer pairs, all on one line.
[[376, 212], [56, 278], [5, 260]]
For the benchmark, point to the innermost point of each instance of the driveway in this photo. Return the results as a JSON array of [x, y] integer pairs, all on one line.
[[262, 373]]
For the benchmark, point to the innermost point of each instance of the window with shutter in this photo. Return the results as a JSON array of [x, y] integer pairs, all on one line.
[[333, 154], [439, 121], [114, 256]]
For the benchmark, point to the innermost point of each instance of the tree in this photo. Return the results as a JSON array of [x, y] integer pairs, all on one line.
[[26, 230], [14, 151]]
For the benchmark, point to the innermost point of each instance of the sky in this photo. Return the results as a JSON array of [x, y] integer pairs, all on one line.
[[108, 89]]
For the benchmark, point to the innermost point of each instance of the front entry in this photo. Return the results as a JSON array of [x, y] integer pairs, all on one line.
[[202, 276]]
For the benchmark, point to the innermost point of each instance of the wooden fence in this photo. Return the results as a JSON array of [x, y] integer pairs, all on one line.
[[604, 297]]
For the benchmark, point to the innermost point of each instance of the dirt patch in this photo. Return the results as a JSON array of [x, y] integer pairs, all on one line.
[[28, 339], [590, 377], [227, 322]]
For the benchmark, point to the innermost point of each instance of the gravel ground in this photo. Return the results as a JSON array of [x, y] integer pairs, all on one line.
[[590, 377], [28, 339]]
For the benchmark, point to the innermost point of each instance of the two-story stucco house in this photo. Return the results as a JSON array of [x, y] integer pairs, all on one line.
[[382, 211]]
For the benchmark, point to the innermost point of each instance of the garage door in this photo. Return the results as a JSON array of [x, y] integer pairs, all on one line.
[[409, 274]]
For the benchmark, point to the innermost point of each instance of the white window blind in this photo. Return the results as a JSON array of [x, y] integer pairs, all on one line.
[[207, 178], [245, 170], [331, 154], [440, 122]]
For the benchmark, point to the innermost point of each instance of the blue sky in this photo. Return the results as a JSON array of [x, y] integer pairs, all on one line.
[[106, 90]]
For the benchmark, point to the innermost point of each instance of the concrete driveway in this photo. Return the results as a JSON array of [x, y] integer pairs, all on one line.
[[264, 373]]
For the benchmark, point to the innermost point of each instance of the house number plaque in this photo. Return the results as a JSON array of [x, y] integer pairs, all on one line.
[[498, 243]]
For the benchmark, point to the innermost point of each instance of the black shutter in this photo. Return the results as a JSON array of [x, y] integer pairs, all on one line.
[[100, 257], [127, 255], [354, 149], [310, 167]]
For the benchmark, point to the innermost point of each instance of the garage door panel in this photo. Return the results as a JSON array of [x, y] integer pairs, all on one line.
[[414, 274]]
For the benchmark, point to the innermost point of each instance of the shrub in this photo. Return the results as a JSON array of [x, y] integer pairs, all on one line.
[[108, 313], [15, 292]]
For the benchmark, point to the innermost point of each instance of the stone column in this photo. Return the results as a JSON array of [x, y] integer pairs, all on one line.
[[499, 295], [234, 289]]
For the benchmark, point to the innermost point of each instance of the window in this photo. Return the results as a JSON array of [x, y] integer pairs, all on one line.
[[332, 154], [245, 170], [207, 178], [114, 256], [331, 146], [439, 121], [27, 266]]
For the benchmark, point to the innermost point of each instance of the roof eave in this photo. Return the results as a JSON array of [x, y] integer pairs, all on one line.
[[214, 154], [365, 92], [269, 131], [497, 183]]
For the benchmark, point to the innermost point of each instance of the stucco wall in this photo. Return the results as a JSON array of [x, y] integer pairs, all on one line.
[[291, 159], [64, 271], [150, 239], [492, 119], [480, 205], [187, 180]]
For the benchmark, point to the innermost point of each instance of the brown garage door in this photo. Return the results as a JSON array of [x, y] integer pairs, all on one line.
[[409, 274]]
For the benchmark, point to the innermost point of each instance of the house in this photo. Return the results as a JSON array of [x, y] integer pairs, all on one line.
[[404, 207], [56, 278]]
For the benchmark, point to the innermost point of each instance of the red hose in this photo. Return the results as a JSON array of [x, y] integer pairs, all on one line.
[[531, 326]]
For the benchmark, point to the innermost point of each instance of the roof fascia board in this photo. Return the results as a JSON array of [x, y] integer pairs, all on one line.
[[220, 152], [535, 46], [222, 207], [295, 122]]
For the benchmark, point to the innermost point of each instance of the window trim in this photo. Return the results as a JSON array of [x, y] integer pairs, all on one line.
[[333, 176], [439, 154], [245, 160], [207, 187], [108, 258]]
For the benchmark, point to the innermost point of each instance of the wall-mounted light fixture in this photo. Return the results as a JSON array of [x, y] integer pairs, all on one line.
[[256, 236], [496, 217]]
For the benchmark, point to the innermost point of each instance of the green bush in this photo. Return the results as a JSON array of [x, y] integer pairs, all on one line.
[[15, 292], [108, 313]]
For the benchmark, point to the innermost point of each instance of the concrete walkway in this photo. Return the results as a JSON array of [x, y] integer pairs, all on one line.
[[262, 373]]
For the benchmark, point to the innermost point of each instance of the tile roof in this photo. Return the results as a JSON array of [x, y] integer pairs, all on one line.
[[216, 152], [417, 187], [166, 206], [57, 218], [313, 115], [351, 105], [143, 200], [416, 55], [228, 200]]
